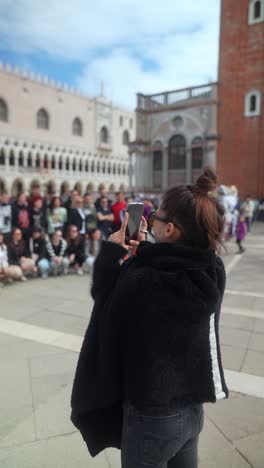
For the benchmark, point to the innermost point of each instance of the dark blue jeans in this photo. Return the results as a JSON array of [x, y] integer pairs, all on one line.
[[171, 441]]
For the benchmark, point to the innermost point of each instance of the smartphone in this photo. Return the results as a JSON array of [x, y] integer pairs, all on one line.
[[135, 211]]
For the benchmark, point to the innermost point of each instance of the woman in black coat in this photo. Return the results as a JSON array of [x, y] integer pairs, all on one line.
[[151, 354]]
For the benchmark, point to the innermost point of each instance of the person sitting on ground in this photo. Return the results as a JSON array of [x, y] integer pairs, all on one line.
[[56, 253], [37, 248], [6, 275], [19, 256], [5, 216], [75, 249], [57, 216], [105, 218]]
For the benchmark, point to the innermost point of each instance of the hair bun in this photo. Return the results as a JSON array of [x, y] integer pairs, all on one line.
[[207, 182]]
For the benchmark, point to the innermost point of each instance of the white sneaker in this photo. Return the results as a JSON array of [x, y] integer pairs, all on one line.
[[79, 272], [23, 278], [44, 276]]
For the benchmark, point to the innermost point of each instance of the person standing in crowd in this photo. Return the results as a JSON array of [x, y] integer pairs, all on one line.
[[37, 216], [19, 256], [117, 207], [21, 217], [241, 232], [105, 218], [93, 234], [248, 210], [57, 216], [149, 365], [77, 217], [102, 194], [56, 248], [75, 249], [5, 216], [37, 250], [34, 195]]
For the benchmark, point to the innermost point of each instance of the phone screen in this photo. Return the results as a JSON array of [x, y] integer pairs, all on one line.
[[135, 211]]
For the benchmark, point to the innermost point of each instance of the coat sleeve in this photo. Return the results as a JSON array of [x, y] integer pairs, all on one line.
[[107, 268]]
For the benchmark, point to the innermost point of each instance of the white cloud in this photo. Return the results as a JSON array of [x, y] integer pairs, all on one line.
[[112, 39]]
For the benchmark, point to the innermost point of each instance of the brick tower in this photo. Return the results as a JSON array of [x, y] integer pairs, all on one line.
[[240, 158]]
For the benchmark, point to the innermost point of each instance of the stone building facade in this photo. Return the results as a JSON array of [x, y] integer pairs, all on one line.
[[240, 158], [60, 138], [176, 136]]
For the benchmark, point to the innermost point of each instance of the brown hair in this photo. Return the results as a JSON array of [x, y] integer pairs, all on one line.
[[199, 215], [68, 237]]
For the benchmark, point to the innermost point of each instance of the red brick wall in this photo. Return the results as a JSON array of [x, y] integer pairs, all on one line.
[[240, 156]]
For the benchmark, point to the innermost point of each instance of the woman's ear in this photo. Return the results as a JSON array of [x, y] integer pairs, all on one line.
[[172, 232]]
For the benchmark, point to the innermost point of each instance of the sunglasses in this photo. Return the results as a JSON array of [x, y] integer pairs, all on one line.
[[154, 217]]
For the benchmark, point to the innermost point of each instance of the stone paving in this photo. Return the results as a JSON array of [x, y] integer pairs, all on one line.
[[36, 378]]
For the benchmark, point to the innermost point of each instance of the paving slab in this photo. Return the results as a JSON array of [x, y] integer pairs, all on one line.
[[252, 449], [239, 417], [233, 358], [259, 325], [256, 342], [238, 322], [234, 337], [56, 321], [254, 363]]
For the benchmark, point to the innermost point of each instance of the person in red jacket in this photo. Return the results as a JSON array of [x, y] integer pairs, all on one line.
[[117, 207]]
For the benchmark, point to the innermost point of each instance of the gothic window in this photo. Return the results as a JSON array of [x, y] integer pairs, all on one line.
[[256, 11], [86, 166], [74, 165], [3, 111], [21, 159], [77, 127], [43, 119], [125, 138], [177, 153], [53, 162], [37, 161], [104, 135], [29, 160], [60, 164], [92, 166], [80, 166], [98, 167], [131, 123], [124, 170], [109, 168], [46, 162], [67, 165], [11, 159], [103, 168], [253, 104], [119, 169], [114, 169], [197, 153], [2, 158], [121, 121]]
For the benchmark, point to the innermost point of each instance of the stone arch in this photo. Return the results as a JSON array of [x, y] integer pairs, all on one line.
[[2, 185], [122, 188], [92, 166], [80, 166], [119, 169], [60, 165], [65, 187], [114, 169], [90, 187], [78, 187], [101, 187], [177, 160], [53, 162], [104, 135], [77, 127], [50, 187], [38, 161], [124, 169], [46, 162], [29, 159], [43, 120], [112, 188], [126, 137], [3, 111], [11, 158], [86, 167], [74, 164], [2, 157], [21, 159], [17, 187], [109, 168], [67, 164], [34, 183], [98, 167]]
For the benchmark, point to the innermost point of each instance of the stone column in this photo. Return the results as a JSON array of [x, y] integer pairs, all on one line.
[[189, 165]]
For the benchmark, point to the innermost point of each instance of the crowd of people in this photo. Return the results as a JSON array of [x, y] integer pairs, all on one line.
[[56, 235]]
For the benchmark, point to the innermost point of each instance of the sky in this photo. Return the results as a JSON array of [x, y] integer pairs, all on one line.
[[131, 46]]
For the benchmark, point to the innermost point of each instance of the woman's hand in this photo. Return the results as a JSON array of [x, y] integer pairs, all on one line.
[[141, 235], [118, 237]]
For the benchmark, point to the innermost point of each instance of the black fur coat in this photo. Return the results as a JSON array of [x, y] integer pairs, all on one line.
[[152, 338]]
